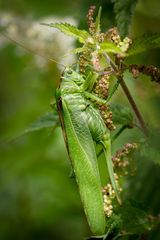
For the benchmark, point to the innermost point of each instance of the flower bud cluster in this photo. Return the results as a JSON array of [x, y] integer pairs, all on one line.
[[102, 86], [108, 196], [107, 116], [95, 61], [117, 182], [100, 37], [125, 44], [82, 63], [113, 35], [83, 60], [134, 70], [118, 158], [151, 71], [101, 90], [90, 19]]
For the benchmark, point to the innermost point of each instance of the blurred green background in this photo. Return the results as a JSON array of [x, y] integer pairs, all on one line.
[[38, 200]]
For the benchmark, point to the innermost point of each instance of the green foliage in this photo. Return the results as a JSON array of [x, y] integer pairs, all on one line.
[[70, 30], [122, 115], [48, 120], [77, 50], [109, 47], [144, 43], [134, 218], [98, 18], [113, 224], [149, 148], [83, 35], [129, 220], [123, 11]]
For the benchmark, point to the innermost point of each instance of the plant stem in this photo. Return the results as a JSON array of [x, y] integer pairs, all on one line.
[[128, 94], [118, 133], [133, 104]]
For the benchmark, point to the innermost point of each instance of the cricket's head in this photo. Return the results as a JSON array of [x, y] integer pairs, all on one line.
[[74, 76]]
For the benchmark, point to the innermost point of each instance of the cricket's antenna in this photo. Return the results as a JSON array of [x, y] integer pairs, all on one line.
[[30, 50]]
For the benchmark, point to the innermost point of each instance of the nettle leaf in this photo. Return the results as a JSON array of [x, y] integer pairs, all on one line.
[[109, 47], [134, 218], [77, 50], [98, 18], [144, 43], [129, 219], [150, 153], [124, 10], [149, 148], [122, 115], [48, 120], [114, 222], [70, 30]]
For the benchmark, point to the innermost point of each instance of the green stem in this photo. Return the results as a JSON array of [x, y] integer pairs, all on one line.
[[118, 133]]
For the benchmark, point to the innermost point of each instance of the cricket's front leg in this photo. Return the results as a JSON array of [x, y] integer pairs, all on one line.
[[94, 98]]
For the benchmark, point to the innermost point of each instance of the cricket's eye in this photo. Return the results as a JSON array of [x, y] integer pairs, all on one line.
[[69, 72]]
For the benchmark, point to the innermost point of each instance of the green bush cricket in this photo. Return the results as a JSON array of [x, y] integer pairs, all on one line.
[[82, 124], [80, 106]]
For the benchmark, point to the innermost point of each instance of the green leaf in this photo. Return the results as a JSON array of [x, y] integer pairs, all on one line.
[[122, 115], [48, 120], [70, 30], [114, 222], [149, 148], [132, 218], [135, 218], [144, 43], [77, 50], [150, 153], [128, 220], [109, 47], [98, 19], [124, 10]]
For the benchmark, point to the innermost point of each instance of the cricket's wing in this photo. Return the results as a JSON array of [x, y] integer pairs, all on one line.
[[83, 157]]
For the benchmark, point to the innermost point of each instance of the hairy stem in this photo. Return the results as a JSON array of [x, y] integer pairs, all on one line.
[[133, 104], [128, 94]]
